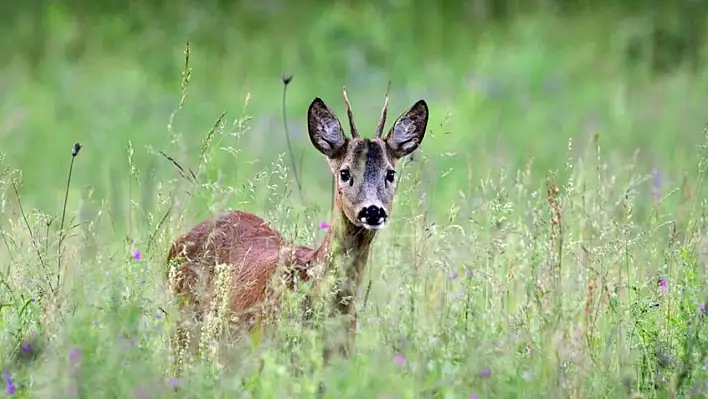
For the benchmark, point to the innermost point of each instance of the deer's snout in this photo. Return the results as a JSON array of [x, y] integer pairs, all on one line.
[[372, 217]]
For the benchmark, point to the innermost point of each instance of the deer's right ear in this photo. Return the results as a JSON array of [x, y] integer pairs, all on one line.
[[324, 128]]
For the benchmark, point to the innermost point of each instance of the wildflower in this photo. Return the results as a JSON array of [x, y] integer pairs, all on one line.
[[75, 354], [324, 225], [485, 373], [468, 273], [474, 396], [399, 359], [25, 347], [136, 255], [10, 387], [702, 308], [174, 383], [663, 289]]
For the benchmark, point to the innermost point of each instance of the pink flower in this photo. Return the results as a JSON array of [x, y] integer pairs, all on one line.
[[324, 225], [400, 360], [136, 255], [10, 387]]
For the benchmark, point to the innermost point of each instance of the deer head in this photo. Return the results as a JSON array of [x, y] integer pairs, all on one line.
[[364, 168]]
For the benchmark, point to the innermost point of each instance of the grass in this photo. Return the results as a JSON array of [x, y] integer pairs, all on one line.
[[549, 239]]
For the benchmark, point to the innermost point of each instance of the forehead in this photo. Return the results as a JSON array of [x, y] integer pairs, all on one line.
[[370, 154]]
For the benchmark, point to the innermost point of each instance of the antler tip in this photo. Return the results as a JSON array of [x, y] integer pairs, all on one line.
[[352, 125], [384, 111]]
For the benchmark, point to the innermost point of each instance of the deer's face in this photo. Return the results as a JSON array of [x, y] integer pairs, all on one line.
[[363, 168]]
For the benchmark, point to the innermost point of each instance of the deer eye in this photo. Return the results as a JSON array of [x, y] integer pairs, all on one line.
[[390, 175], [344, 175]]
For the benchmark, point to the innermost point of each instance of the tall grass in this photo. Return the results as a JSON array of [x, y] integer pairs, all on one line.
[[547, 259], [545, 289]]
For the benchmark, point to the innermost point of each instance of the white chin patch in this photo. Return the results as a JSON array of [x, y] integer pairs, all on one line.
[[379, 226]]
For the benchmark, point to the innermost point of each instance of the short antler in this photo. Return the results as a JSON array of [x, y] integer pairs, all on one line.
[[384, 110], [352, 126]]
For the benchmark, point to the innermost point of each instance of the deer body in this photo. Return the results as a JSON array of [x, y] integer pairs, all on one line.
[[241, 240], [364, 171]]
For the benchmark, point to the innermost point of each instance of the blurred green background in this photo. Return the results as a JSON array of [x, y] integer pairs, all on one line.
[[507, 81], [511, 85]]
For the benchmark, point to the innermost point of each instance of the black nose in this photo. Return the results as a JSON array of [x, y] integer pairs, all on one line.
[[372, 215]]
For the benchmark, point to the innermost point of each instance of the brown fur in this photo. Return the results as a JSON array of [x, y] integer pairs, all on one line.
[[254, 251]]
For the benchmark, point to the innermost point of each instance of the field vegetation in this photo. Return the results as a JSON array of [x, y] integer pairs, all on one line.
[[549, 238]]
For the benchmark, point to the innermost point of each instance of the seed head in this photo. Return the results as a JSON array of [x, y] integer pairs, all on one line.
[[75, 149]]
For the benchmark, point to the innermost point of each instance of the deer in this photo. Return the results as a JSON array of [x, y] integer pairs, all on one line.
[[365, 186]]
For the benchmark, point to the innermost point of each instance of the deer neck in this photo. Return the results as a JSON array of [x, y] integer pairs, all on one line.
[[344, 253]]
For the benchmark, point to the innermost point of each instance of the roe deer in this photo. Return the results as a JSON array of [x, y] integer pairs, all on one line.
[[365, 186]]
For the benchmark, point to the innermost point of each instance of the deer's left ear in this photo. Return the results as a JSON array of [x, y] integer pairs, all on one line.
[[408, 131], [325, 130]]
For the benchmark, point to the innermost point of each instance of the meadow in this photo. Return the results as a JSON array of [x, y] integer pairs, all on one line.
[[548, 239]]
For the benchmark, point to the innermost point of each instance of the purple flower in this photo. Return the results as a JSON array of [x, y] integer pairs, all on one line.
[[174, 383], [453, 275], [10, 387], [136, 255], [474, 396], [702, 308], [25, 347], [400, 360], [75, 354], [468, 273], [324, 225], [663, 289], [485, 373]]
